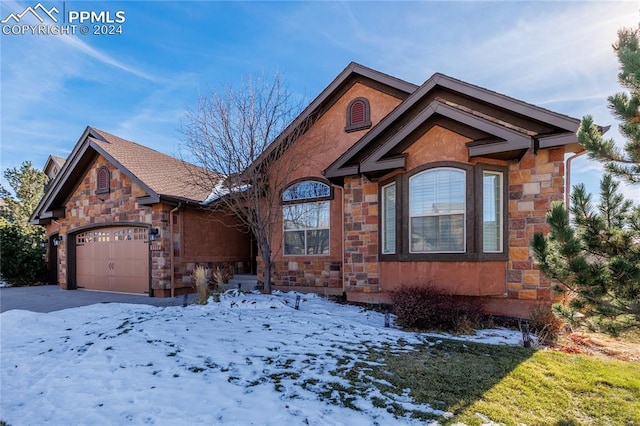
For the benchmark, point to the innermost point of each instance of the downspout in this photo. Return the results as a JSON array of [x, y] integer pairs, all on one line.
[[342, 265], [567, 190], [172, 252]]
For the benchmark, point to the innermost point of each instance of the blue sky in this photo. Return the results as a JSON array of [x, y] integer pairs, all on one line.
[[138, 84]]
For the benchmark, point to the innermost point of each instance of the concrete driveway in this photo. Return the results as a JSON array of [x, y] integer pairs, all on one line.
[[49, 298]]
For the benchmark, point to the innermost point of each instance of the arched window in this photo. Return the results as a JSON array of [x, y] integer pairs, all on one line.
[[358, 115], [103, 180], [306, 218], [437, 211]]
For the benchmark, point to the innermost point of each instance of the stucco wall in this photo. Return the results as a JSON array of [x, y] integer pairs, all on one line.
[[314, 151]]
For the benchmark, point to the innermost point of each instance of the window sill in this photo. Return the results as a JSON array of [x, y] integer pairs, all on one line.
[[443, 257], [356, 127]]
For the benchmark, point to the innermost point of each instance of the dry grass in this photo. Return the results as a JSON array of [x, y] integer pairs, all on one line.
[[201, 276], [626, 348]]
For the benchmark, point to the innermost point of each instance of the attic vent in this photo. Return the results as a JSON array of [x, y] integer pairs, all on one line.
[[357, 112], [358, 115], [103, 180]]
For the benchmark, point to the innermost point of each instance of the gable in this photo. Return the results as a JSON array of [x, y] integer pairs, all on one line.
[[497, 127], [328, 138], [352, 75], [158, 175]]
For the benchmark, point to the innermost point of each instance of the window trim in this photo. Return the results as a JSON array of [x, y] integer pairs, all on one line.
[[103, 189], [351, 126], [474, 202], [481, 169]]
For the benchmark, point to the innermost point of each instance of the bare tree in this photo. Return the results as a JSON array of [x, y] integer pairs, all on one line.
[[239, 136]]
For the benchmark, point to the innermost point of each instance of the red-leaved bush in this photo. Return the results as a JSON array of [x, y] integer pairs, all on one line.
[[427, 308]]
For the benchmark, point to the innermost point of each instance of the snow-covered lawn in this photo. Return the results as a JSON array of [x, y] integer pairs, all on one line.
[[250, 359]]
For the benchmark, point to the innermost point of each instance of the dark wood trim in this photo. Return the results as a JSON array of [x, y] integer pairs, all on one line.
[[510, 140], [563, 123], [479, 172], [473, 232], [398, 182]]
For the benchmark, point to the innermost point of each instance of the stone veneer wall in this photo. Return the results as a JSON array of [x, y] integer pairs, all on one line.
[[160, 249], [361, 270], [314, 273], [85, 208], [534, 183]]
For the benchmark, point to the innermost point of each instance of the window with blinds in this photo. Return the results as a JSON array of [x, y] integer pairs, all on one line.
[[437, 211]]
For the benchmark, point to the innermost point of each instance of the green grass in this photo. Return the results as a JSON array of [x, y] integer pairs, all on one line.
[[511, 385]]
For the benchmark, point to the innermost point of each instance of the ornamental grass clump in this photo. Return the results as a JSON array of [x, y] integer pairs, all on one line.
[[201, 276]]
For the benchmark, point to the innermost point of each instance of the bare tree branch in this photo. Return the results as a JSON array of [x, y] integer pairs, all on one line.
[[240, 137]]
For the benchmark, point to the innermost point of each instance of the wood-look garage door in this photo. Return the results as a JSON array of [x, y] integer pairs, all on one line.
[[113, 259]]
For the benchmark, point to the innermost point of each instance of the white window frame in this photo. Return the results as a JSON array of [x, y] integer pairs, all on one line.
[[500, 204], [463, 212], [384, 219]]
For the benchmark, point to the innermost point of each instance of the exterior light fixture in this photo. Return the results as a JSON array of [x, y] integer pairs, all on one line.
[[57, 240], [153, 232]]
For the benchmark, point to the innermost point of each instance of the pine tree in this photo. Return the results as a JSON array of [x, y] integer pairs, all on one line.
[[596, 261], [21, 251], [626, 107]]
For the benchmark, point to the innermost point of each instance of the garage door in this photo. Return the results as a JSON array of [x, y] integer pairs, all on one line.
[[113, 259]]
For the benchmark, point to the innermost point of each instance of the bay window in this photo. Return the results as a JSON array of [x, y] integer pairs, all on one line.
[[444, 211]]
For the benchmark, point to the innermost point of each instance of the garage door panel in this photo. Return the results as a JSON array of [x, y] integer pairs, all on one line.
[[113, 259]]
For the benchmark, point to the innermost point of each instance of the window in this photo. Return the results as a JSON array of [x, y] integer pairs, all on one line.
[[306, 218], [437, 211], [389, 219], [445, 211], [103, 180], [358, 115], [492, 212]]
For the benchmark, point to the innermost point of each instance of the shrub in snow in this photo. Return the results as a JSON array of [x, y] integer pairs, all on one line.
[[427, 308]]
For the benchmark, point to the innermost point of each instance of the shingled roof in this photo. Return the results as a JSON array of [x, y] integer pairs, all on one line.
[[160, 175], [163, 174]]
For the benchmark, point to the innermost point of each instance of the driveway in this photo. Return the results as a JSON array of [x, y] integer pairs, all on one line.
[[49, 298]]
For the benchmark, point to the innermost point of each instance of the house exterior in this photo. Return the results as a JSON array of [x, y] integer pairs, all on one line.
[[122, 217], [442, 184]]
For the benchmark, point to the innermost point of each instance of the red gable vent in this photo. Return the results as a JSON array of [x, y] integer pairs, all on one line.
[[357, 112]]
